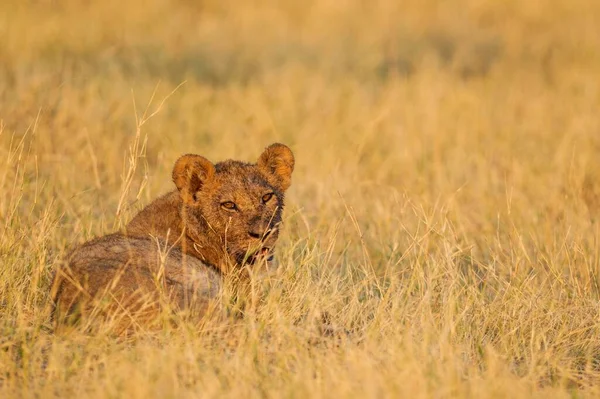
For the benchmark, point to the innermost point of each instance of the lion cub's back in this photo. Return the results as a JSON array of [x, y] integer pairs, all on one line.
[[136, 276]]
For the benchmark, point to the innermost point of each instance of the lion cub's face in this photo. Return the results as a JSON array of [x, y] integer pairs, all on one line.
[[232, 207]]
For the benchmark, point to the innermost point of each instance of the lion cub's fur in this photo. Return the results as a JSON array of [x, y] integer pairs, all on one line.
[[175, 251]]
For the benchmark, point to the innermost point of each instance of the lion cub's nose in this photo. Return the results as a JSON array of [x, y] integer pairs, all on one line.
[[254, 234], [262, 235]]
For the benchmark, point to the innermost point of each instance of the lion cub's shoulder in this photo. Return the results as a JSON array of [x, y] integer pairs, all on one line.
[[146, 257], [133, 272]]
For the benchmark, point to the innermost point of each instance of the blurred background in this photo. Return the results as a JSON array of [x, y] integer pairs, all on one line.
[[483, 107], [425, 97]]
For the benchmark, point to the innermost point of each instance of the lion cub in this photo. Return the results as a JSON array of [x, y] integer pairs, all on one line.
[[175, 251]]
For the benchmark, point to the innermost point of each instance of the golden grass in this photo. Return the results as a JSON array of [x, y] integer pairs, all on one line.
[[443, 210]]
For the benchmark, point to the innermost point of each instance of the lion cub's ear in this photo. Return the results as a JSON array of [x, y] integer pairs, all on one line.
[[190, 174], [278, 160]]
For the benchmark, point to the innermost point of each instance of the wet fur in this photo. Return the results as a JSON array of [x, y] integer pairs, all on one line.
[[175, 252]]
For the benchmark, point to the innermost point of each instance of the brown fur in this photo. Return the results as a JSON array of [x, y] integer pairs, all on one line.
[[221, 217]]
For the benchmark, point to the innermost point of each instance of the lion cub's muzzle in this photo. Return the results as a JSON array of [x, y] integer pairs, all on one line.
[[254, 257], [259, 250]]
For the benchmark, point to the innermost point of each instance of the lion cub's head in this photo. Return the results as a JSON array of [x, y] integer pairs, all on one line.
[[232, 210]]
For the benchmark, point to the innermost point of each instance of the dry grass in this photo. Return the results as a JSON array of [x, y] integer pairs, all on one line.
[[443, 211]]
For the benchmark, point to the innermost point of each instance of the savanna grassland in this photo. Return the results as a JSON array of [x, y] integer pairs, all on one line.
[[443, 216]]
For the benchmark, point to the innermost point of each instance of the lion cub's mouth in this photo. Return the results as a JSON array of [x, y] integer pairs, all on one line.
[[264, 253]]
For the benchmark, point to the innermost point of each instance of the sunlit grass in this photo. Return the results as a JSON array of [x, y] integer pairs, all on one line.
[[442, 218]]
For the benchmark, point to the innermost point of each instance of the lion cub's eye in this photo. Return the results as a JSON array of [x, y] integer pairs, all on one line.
[[267, 197], [230, 206]]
